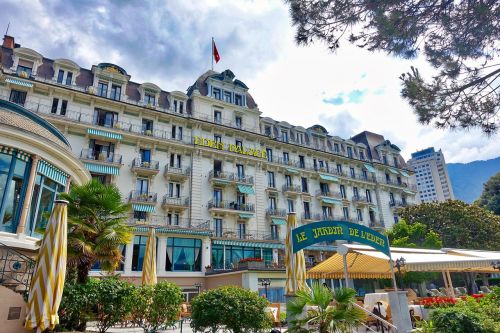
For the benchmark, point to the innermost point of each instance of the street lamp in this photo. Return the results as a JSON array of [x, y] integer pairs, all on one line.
[[265, 283], [198, 286], [401, 262]]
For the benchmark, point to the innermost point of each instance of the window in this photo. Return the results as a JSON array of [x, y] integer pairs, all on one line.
[[290, 206], [272, 203], [269, 154], [342, 192], [395, 161], [217, 196], [345, 212], [238, 121], [302, 163], [336, 147], [217, 138], [355, 192], [361, 155], [391, 198], [238, 99], [217, 117], [18, 97], [216, 93], [288, 180], [242, 230], [60, 76], [147, 127], [285, 157], [183, 254], [241, 171], [55, 102], [141, 216], [176, 132], [69, 78], [240, 199], [139, 250], [368, 196], [275, 232], [105, 118], [399, 180], [267, 130], [175, 160], [339, 168], [149, 99], [24, 66], [174, 190], [352, 172], [284, 136], [364, 174], [173, 219], [116, 92], [227, 97], [102, 89], [307, 210], [64, 106], [384, 159], [218, 227], [142, 185], [349, 152], [270, 179], [239, 143], [359, 213], [305, 188], [324, 188], [326, 212], [387, 178], [55, 105], [300, 138], [145, 155]]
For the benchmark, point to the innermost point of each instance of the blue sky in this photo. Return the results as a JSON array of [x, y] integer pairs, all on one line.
[[168, 43]]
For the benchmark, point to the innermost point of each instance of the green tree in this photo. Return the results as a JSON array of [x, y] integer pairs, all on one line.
[[459, 39], [460, 225], [76, 306], [490, 198], [237, 310], [156, 307], [96, 227], [326, 317]]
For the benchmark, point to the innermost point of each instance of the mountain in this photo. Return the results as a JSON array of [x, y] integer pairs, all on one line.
[[467, 179]]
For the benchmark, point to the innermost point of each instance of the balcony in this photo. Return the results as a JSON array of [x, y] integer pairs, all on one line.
[[225, 178], [328, 194], [367, 178], [292, 190], [231, 207], [271, 188], [398, 204], [361, 199], [309, 217], [174, 173], [174, 203], [145, 168], [169, 221], [100, 158], [276, 213], [143, 197], [231, 233], [377, 224]]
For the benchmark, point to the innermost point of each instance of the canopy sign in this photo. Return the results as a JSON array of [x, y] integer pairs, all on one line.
[[322, 231]]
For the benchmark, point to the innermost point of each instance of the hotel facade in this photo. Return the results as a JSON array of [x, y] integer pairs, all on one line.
[[205, 167]]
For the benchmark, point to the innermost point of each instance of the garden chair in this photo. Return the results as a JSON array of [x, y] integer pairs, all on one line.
[[485, 289], [436, 292], [442, 290], [185, 313], [463, 291]]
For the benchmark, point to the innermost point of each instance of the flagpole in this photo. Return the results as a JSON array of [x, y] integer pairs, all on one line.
[[212, 53]]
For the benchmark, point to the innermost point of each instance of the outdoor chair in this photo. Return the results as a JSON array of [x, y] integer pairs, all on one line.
[[185, 313], [463, 291], [485, 289], [436, 292], [458, 293]]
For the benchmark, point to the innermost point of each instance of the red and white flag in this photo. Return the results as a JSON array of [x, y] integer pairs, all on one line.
[[215, 53]]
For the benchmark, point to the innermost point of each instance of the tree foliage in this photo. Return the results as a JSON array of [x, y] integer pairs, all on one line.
[[238, 310], [156, 307], [96, 227], [460, 225], [323, 316], [460, 40], [490, 198], [403, 234]]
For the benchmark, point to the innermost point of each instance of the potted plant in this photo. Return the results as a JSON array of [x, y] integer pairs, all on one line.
[[149, 132], [102, 157], [145, 164], [208, 268], [251, 263], [24, 75], [91, 90], [118, 126]]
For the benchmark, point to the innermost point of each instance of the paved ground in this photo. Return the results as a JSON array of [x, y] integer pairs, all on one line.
[[185, 329]]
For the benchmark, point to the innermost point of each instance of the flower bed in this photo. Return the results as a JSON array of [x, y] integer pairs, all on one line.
[[437, 302], [251, 260]]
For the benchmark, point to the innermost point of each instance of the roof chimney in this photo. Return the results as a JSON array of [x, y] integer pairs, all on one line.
[[8, 42]]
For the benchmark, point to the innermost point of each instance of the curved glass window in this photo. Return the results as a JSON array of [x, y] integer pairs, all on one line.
[[183, 254]]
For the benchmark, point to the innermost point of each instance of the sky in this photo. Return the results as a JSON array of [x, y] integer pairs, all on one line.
[[168, 43]]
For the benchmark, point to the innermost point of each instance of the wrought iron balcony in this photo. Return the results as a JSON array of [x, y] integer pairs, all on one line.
[[91, 155], [377, 224], [292, 189], [230, 206], [177, 173], [145, 167], [229, 177], [234, 233], [361, 199], [175, 202], [329, 194], [171, 221], [143, 197], [273, 212], [398, 204]]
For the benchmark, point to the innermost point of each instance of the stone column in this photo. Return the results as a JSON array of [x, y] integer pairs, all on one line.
[[161, 256], [127, 267], [68, 184], [21, 227], [400, 311]]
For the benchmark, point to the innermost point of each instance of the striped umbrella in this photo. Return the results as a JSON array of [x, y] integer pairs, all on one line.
[[149, 265], [47, 283], [296, 267]]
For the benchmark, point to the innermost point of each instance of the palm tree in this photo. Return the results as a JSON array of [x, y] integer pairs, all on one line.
[[326, 311], [96, 227]]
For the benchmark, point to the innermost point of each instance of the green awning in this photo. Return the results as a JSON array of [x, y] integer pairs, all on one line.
[[330, 201], [51, 172], [246, 189], [294, 171], [220, 181], [373, 209], [106, 134], [370, 168], [394, 171], [180, 231], [19, 82], [408, 191], [103, 169], [328, 178], [278, 221], [245, 216], [143, 208], [264, 245], [404, 173]]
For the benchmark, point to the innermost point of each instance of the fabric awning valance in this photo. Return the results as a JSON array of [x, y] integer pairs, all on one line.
[[404, 173], [103, 169], [328, 178], [19, 82], [143, 208], [106, 134], [331, 201], [294, 171], [394, 171], [246, 189], [370, 168], [245, 216], [278, 221]]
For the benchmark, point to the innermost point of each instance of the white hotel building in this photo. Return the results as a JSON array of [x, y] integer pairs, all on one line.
[[207, 167]]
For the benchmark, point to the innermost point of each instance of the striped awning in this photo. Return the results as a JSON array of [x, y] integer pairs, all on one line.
[[404, 173], [408, 191], [220, 181], [246, 189], [394, 171], [370, 168], [103, 169], [179, 231], [279, 221], [245, 216], [294, 171], [19, 82], [263, 245], [373, 209], [328, 178], [51, 172], [106, 134], [331, 201], [143, 208]]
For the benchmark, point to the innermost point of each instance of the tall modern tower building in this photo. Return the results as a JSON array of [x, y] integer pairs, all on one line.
[[433, 181]]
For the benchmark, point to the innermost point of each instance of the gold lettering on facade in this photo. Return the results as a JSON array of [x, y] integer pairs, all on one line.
[[200, 141]]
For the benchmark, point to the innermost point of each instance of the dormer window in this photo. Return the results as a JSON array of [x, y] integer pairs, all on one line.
[[361, 154], [300, 138], [116, 92], [384, 159], [24, 66], [61, 76], [238, 99], [178, 106], [102, 89], [349, 152], [228, 97], [267, 130], [336, 147], [216, 93], [284, 136], [149, 99]]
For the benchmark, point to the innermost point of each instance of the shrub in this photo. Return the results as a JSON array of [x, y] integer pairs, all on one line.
[[461, 319], [236, 309], [156, 307], [76, 307]]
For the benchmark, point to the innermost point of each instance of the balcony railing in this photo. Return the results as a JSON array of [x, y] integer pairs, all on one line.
[[229, 176], [148, 165], [231, 205], [89, 154], [329, 194], [292, 188], [233, 233], [145, 197], [377, 224], [360, 199], [310, 217], [177, 172], [169, 200], [398, 204], [171, 221], [276, 212], [16, 269]]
